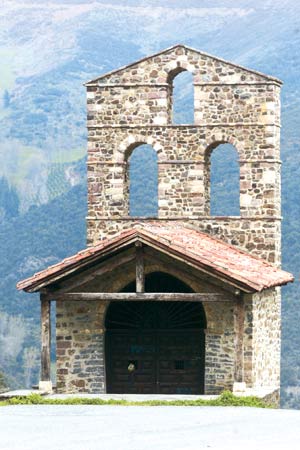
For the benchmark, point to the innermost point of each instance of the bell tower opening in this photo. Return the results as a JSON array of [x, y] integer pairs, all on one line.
[[143, 182], [222, 180], [181, 96]]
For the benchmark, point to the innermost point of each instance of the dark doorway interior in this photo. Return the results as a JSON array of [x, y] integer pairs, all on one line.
[[155, 347]]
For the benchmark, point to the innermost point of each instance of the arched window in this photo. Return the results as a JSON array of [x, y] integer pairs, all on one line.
[[143, 182], [224, 180], [182, 97]]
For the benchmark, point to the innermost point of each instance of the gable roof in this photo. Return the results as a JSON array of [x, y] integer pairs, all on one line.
[[169, 49], [204, 252]]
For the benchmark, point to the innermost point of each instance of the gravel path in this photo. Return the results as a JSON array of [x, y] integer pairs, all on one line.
[[47, 427]]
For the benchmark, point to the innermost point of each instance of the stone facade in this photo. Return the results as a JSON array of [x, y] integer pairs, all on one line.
[[266, 338], [80, 330], [232, 105], [79, 347], [133, 106]]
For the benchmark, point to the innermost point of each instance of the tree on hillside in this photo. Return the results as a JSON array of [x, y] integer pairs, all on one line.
[[3, 385], [9, 200]]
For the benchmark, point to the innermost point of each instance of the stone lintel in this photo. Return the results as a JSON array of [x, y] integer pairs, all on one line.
[[133, 85], [171, 218], [188, 125], [185, 161]]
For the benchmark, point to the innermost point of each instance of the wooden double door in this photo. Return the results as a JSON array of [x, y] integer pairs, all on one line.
[[155, 361]]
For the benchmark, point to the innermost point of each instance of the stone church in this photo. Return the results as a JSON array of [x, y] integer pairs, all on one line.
[[184, 302]]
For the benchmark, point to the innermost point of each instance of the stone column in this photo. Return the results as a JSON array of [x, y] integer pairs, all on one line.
[[45, 383]]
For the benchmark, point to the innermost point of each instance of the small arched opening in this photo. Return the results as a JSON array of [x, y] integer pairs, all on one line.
[[155, 346], [181, 96], [142, 179], [222, 180]]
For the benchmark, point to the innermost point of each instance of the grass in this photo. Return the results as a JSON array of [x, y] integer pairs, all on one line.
[[225, 399]]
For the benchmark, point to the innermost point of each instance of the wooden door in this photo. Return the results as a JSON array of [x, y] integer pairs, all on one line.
[[180, 360], [131, 362], [155, 347], [156, 361]]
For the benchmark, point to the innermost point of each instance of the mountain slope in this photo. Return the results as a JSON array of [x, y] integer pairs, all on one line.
[[48, 49]]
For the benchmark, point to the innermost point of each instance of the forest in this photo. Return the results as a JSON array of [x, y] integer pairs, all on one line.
[[48, 50]]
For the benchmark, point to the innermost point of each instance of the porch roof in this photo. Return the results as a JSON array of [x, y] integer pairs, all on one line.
[[204, 252]]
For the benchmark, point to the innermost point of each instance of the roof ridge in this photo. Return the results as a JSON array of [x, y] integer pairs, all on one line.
[[222, 269], [89, 251], [168, 49], [224, 244], [192, 246]]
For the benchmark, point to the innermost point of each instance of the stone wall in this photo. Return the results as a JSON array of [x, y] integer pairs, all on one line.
[[80, 328], [133, 106], [80, 332], [220, 348], [80, 347], [262, 340], [183, 162], [148, 104], [162, 67], [266, 338]]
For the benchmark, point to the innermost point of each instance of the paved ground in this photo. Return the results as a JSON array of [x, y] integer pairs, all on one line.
[[144, 428]]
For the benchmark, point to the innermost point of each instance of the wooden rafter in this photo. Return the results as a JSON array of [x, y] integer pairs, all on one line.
[[96, 271]]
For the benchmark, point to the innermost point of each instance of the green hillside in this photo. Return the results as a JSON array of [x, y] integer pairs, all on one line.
[[48, 50]]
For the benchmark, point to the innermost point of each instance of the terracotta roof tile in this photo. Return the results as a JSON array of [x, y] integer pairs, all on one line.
[[203, 251]]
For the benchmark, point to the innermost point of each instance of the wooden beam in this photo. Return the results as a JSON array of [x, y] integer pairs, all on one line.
[[96, 271], [139, 268], [116, 247], [239, 340], [45, 338], [141, 296], [190, 273]]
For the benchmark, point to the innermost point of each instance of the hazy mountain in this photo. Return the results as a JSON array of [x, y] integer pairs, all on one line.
[[48, 49]]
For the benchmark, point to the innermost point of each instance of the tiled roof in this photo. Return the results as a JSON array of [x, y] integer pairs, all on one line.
[[204, 252]]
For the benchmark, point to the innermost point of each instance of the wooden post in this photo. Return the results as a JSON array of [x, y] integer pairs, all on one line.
[[140, 268], [46, 340], [239, 330]]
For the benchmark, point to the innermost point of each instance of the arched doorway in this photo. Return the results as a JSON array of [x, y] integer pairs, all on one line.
[[155, 347]]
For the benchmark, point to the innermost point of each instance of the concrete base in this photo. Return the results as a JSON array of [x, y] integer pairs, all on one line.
[[270, 395], [238, 387], [18, 393], [45, 387], [136, 397]]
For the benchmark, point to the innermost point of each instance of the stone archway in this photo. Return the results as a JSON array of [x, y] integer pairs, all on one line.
[[155, 347]]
